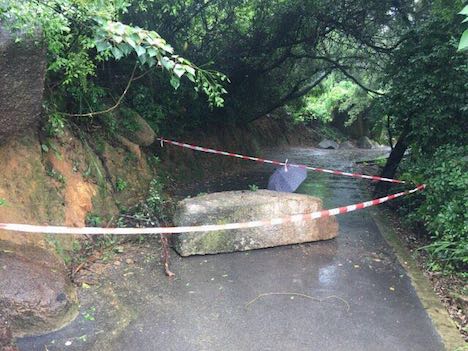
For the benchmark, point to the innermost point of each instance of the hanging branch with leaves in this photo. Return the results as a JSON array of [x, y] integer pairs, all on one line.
[[119, 40]]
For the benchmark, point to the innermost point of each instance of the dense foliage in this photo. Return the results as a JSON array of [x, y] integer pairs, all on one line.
[[443, 206], [81, 37], [333, 95], [426, 94], [426, 100], [272, 51]]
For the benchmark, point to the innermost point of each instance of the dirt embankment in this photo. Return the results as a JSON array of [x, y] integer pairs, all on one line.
[[65, 181], [185, 165], [82, 179], [72, 180]]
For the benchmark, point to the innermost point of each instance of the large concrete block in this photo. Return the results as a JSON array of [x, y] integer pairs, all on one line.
[[243, 206]]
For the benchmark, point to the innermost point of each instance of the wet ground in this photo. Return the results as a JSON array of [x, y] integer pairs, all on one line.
[[348, 293]]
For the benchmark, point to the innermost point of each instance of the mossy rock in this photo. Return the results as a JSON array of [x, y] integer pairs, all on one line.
[[135, 128], [36, 295]]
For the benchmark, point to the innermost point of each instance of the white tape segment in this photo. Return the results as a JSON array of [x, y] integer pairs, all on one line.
[[278, 163], [202, 228]]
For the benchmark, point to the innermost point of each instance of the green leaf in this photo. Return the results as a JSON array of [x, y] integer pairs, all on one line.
[[191, 77], [130, 41], [102, 45], [117, 53], [140, 50], [189, 69], [143, 59], [136, 38], [464, 11], [119, 28], [179, 70], [175, 82], [125, 48], [167, 48], [152, 51], [117, 38], [463, 45], [167, 63]]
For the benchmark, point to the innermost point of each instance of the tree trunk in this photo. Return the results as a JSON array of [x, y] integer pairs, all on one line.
[[390, 135], [393, 161]]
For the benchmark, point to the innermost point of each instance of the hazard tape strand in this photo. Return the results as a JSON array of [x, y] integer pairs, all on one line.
[[46, 229], [277, 163], [204, 228]]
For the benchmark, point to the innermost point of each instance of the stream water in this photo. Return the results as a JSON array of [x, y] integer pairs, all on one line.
[[359, 297]]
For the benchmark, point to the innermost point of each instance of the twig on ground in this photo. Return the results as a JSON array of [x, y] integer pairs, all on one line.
[[300, 295], [165, 255], [136, 218], [77, 269]]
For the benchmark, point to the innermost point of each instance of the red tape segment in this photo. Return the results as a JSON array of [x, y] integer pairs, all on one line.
[[278, 163], [203, 228]]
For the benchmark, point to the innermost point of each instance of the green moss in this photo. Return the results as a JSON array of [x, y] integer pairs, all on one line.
[[214, 242], [95, 170], [59, 248], [53, 173]]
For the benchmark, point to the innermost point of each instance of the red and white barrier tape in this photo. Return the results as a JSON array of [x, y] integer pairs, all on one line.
[[204, 228], [278, 163]]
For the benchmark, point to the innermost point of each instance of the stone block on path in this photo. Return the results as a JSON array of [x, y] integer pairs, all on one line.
[[328, 144], [244, 206]]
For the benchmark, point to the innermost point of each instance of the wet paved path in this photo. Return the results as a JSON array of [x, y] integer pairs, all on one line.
[[366, 299]]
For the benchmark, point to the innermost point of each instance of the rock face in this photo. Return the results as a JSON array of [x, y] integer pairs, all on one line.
[[22, 74], [242, 206], [328, 144], [366, 143], [36, 295], [6, 337], [138, 131]]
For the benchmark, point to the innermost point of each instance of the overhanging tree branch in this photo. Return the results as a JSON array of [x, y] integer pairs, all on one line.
[[296, 92], [119, 100], [342, 69]]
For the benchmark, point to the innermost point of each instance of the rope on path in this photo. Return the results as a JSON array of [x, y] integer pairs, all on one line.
[[300, 295]]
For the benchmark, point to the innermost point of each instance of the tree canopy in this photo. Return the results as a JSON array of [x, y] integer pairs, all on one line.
[[271, 51]]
